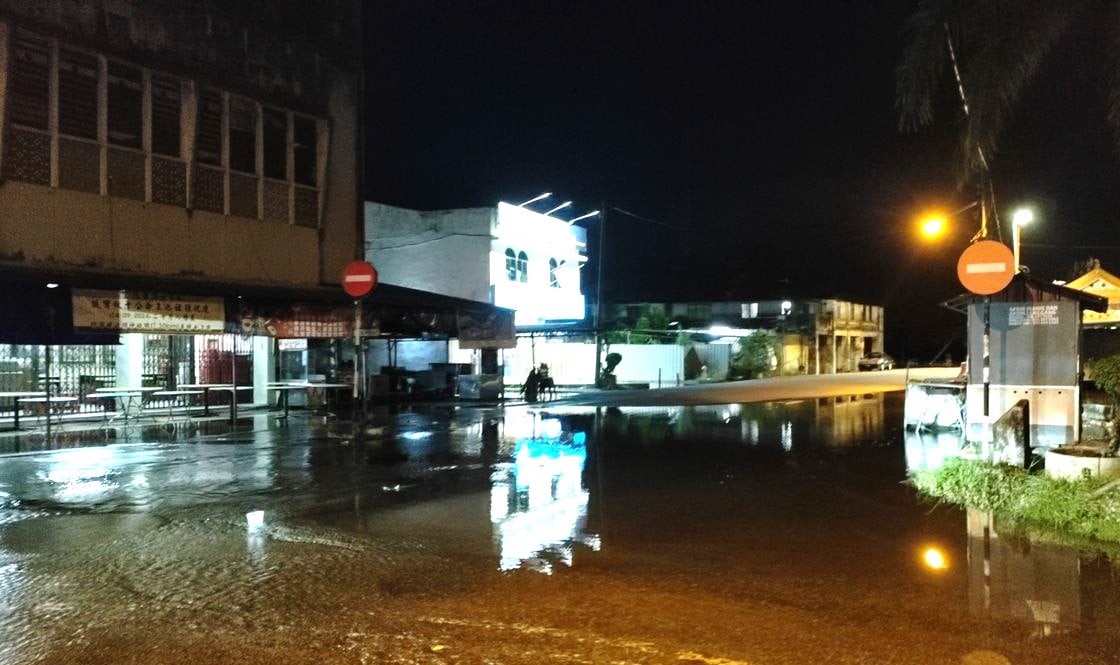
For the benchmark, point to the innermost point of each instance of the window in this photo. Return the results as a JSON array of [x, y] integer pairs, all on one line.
[[125, 100], [209, 141], [77, 94], [242, 135], [787, 308], [699, 310], [511, 265], [553, 279], [303, 150], [275, 144], [166, 112], [29, 92], [522, 267]]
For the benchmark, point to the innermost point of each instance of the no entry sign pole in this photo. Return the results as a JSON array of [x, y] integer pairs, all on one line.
[[984, 268], [358, 279]]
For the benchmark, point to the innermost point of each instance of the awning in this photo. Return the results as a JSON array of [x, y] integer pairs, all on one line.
[[323, 311], [1024, 288]]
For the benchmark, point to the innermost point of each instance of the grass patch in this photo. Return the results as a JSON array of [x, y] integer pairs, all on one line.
[[1065, 510]]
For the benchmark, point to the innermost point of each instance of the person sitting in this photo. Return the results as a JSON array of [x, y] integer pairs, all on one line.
[[529, 388], [547, 384]]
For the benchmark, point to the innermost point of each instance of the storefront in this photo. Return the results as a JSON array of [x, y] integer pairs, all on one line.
[[76, 340]]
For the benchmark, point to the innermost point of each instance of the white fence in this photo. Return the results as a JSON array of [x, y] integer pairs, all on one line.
[[574, 363]]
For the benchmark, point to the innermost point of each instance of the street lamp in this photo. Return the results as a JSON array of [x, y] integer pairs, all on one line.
[[576, 219], [535, 199], [563, 205], [933, 227], [1019, 219]]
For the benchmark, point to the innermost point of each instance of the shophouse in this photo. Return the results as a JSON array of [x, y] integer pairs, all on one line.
[[180, 192]]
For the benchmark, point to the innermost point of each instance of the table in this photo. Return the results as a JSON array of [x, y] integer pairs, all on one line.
[[51, 402], [327, 387], [177, 397], [17, 396], [207, 387], [283, 391], [127, 398]]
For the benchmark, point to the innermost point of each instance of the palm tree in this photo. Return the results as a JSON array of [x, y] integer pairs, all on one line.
[[993, 49]]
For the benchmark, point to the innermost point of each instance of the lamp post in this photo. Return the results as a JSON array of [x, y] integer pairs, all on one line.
[[563, 205], [1019, 219], [535, 199]]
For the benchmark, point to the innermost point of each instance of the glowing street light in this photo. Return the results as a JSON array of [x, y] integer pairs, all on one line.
[[1019, 219], [576, 219], [535, 199], [563, 205], [933, 227], [934, 559]]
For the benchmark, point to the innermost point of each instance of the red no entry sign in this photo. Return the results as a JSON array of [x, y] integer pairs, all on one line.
[[359, 278], [986, 267]]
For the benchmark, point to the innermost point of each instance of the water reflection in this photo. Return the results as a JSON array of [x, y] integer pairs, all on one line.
[[927, 450], [538, 504], [1052, 588], [834, 422]]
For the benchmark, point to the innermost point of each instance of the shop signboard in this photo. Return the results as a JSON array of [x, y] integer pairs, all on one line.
[[486, 330], [297, 320], [143, 312]]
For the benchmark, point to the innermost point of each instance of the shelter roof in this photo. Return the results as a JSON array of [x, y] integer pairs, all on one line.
[[1026, 288]]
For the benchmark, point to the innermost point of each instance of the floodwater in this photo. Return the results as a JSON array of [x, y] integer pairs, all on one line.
[[760, 534]]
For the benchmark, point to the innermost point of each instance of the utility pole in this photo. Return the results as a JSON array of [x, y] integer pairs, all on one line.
[[598, 316]]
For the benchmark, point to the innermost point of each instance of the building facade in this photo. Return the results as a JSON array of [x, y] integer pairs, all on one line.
[[818, 336], [160, 160], [506, 256]]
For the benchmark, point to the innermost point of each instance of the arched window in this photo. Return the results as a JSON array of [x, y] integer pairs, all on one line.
[[553, 280], [523, 266], [511, 265]]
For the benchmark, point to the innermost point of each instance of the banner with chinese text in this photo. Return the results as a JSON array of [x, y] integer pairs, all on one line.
[[296, 320], [136, 311]]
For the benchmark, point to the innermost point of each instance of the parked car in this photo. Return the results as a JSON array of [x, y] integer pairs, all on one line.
[[875, 361]]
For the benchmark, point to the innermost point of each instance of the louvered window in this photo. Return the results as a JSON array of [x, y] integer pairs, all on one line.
[[275, 144], [77, 94], [166, 112], [242, 135], [303, 151], [125, 99], [210, 127], [29, 93]]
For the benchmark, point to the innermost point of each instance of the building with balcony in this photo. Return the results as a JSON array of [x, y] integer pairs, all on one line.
[[179, 189], [818, 336]]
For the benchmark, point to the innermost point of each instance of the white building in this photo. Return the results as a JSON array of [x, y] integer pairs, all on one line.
[[506, 256]]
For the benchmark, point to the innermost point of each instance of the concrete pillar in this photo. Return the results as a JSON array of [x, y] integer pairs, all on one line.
[[264, 368], [130, 360]]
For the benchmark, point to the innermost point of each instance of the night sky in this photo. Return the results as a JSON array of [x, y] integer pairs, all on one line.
[[758, 140]]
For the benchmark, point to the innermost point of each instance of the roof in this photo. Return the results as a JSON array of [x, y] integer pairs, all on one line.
[[383, 294], [1098, 281], [1025, 288]]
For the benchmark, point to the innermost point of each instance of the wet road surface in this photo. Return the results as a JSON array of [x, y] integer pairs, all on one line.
[[765, 533]]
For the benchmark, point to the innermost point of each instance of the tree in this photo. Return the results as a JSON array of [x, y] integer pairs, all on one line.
[[1105, 373], [756, 357], [993, 50]]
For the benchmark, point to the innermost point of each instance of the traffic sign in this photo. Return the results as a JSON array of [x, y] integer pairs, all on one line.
[[986, 267], [359, 278]]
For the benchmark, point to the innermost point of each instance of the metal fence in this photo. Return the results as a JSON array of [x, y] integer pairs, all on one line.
[[75, 371]]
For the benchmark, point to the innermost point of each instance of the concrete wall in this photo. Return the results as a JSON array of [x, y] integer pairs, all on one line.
[[57, 228], [445, 252]]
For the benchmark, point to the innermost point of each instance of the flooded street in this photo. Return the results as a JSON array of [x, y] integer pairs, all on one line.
[[772, 533]]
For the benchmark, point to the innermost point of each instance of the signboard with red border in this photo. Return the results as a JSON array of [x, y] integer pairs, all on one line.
[[359, 278], [986, 267]]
